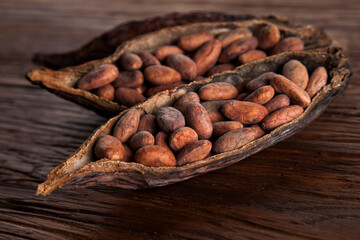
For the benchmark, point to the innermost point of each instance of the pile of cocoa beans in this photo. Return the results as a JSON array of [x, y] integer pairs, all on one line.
[[139, 75], [218, 118]]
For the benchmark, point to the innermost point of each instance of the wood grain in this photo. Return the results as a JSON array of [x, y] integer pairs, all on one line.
[[307, 187]]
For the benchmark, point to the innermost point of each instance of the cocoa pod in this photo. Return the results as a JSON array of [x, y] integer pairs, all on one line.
[[317, 81], [183, 65], [155, 156], [148, 123], [281, 116], [213, 110], [158, 75], [109, 147], [220, 128], [237, 138], [251, 55], [181, 103], [193, 152], [268, 36], [207, 55], [169, 119], [296, 72], [217, 91], [194, 41], [288, 44], [261, 95], [148, 59], [233, 35], [129, 79], [237, 48], [163, 52], [154, 90], [98, 77], [181, 137], [259, 81], [279, 101], [130, 61], [297, 95], [107, 92], [198, 119], [127, 125], [220, 68], [244, 112], [140, 139], [128, 96]]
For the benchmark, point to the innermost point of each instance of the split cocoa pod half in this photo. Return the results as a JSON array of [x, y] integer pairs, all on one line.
[[183, 140], [171, 57]]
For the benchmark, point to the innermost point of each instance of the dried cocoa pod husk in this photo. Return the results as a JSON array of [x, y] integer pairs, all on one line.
[[81, 170], [106, 44], [62, 82]]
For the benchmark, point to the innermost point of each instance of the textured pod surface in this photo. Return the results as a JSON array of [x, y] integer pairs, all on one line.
[[62, 82], [80, 171]]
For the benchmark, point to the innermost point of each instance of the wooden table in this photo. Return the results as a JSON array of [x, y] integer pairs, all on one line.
[[305, 187]]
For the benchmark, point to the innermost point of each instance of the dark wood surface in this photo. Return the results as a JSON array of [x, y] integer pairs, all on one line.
[[307, 187]]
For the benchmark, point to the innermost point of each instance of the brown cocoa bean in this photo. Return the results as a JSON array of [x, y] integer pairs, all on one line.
[[154, 90], [148, 59], [268, 36], [220, 68], [277, 102], [155, 156], [198, 119], [213, 109], [261, 95], [317, 81], [259, 81], [251, 55], [158, 75], [220, 128], [288, 44], [229, 37], [129, 79], [130, 61], [297, 95], [140, 139], [217, 91], [169, 119], [181, 137], [207, 55], [128, 154], [237, 138], [237, 48], [193, 152], [240, 87], [148, 123], [141, 89], [98, 77], [107, 92], [109, 147], [183, 65], [128, 97], [181, 103], [127, 125], [281, 116], [244, 112], [242, 96], [161, 139], [163, 52], [194, 41], [296, 72]]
